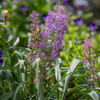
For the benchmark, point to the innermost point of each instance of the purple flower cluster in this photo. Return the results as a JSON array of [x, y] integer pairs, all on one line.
[[54, 31], [65, 4], [46, 40], [88, 54], [34, 45]]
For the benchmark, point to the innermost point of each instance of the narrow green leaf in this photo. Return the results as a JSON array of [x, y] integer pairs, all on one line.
[[14, 41], [6, 68], [21, 70], [35, 66], [70, 70], [94, 95], [8, 37], [2, 25], [16, 91], [23, 51], [6, 95], [57, 71]]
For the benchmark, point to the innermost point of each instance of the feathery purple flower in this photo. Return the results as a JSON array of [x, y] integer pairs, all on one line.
[[46, 40], [88, 55]]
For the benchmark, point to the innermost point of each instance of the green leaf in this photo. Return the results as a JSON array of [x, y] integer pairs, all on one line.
[[22, 51], [14, 41], [21, 70], [94, 95], [69, 73], [6, 95], [1, 25], [8, 37], [6, 68], [16, 91], [57, 71], [33, 72]]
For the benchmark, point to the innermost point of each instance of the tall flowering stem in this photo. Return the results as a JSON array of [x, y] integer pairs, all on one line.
[[5, 16], [89, 60], [46, 40]]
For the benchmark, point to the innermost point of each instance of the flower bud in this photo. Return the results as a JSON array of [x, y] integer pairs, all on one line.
[[38, 72], [35, 80], [6, 12]]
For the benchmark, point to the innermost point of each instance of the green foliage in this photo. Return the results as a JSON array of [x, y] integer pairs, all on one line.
[[6, 95], [66, 79]]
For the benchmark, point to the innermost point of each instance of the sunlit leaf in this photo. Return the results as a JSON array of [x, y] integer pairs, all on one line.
[[94, 95], [70, 71]]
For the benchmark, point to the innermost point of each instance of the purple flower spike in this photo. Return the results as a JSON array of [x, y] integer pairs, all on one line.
[[79, 21], [91, 27]]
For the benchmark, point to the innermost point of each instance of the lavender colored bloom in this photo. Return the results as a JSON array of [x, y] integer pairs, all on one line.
[[85, 62], [46, 40], [42, 55], [79, 21], [51, 35], [55, 29], [92, 27], [88, 55], [92, 36]]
